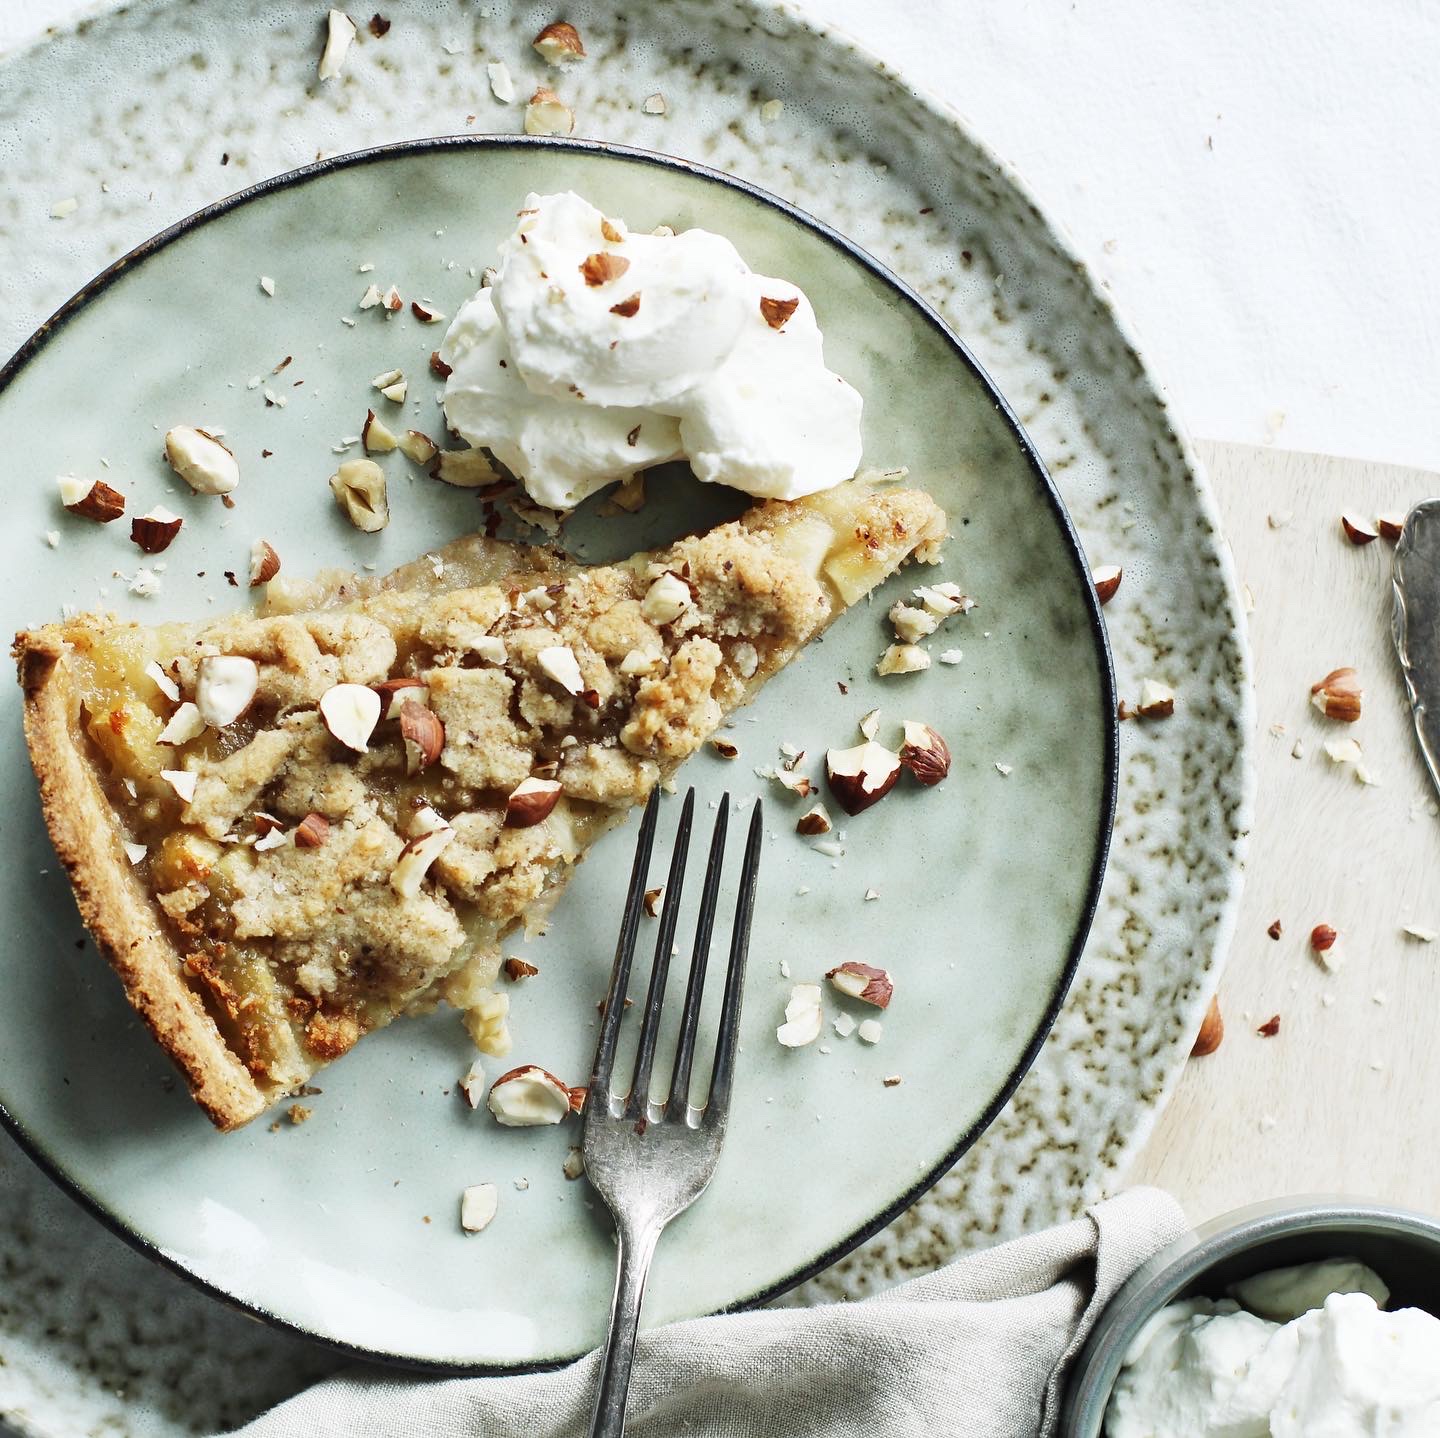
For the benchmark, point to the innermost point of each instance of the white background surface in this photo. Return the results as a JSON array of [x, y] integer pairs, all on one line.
[[1258, 181]]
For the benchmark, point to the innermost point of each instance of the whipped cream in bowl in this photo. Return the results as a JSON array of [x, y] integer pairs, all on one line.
[[1274, 1322], [596, 352]]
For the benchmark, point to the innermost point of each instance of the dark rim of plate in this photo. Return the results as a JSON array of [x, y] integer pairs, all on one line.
[[1046, 486]]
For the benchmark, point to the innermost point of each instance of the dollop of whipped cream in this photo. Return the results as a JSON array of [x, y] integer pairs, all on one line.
[[597, 352], [1340, 1367]]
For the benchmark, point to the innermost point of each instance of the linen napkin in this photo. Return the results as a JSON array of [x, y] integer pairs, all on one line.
[[978, 1348]]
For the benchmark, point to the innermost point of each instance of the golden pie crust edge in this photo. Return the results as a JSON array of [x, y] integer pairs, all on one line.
[[114, 905]]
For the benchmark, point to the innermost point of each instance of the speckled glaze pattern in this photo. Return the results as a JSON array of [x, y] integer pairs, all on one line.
[[90, 1333]]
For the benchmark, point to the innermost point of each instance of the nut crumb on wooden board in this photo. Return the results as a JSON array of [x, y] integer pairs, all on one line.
[[1271, 1116]]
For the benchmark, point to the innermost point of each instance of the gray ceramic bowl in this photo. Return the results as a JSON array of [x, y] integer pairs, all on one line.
[[1402, 1247]]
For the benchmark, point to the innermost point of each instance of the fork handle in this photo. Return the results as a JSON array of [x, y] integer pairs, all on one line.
[[635, 1249]]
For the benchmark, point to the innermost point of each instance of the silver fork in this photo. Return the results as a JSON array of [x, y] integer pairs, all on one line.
[[650, 1161]]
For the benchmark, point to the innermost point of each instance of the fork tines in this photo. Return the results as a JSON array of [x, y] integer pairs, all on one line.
[[633, 1102]]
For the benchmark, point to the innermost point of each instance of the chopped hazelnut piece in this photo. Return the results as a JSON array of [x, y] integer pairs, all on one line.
[[776, 312], [153, 533], [91, 499], [902, 659], [359, 489], [463, 468], [374, 435], [163, 682], [863, 982], [339, 32], [559, 44], [502, 86], [1358, 530], [473, 1084], [185, 724], [201, 460], [861, 776], [558, 662], [415, 860], [224, 688], [264, 562], [911, 625], [527, 1097], [1338, 695], [394, 694], [667, 598], [478, 1205], [418, 448], [1157, 701], [547, 114], [423, 735], [351, 712], [531, 802], [602, 267], [1212, 1031], [924, 753], [182, 781], [802, 1017], [1106, 579], [814, 821], [312, 832]]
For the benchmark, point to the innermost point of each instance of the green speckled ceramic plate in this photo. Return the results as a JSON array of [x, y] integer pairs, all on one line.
[[345, 1228]]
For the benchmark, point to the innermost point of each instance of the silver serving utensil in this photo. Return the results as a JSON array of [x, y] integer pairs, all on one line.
[[1415, 623]]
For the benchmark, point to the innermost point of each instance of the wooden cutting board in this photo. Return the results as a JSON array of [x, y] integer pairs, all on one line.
[[1343, 1098]]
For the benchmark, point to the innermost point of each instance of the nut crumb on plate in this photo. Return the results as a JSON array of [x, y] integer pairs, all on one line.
[[902, 659], [547, 114], [502, 86], [339, 33], [802, 1017], [478, 1205], [559, 44]]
